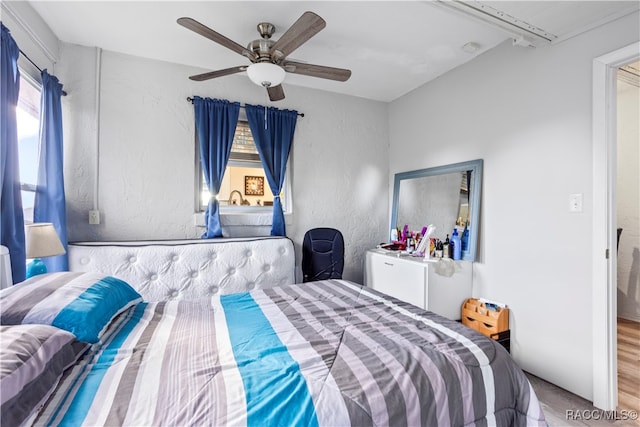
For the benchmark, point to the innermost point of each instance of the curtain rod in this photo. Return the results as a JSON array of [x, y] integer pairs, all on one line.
[[241, 105], [36, 65]]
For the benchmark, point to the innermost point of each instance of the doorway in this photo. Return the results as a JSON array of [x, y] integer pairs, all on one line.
[[604, 262], [628, 235]]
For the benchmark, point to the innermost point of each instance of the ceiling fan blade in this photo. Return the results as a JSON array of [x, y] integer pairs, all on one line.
[[276, 93], [218, 73], [307, 26], [331, 73], [207, 32]]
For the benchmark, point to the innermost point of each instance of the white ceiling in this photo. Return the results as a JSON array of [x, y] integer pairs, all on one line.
[[392, 47]]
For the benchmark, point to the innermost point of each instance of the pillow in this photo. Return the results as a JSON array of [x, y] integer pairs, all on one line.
[[32, 361], [81, 303]]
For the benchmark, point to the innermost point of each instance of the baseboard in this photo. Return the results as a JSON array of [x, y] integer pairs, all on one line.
[[627, 316]]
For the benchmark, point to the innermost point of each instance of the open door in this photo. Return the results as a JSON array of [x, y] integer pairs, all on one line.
[[604, 286]]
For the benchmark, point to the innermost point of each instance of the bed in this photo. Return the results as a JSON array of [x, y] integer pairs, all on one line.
[[320, 353]]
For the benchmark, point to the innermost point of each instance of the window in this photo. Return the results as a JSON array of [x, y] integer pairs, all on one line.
[[28, 120], [244, 186]]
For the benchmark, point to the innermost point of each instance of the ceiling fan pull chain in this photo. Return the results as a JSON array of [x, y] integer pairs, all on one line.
[[265, 117]]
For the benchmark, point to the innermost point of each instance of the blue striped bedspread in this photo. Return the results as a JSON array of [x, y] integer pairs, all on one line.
[[329, 353]]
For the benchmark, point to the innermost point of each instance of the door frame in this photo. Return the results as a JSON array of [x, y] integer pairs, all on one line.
[[604, 273]]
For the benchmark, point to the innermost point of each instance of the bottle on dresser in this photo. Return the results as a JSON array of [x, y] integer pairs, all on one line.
[[438, 251], [457, 245], [410, 242], [465, 239], [446, 247]]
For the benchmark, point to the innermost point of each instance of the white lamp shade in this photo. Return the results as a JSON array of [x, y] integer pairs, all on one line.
[[42, 241], [266, 74], [6, 279]]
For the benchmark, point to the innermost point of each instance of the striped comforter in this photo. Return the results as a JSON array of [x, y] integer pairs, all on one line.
[[322, 353]]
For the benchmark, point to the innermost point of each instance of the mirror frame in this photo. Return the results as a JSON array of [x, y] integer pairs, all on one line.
[[476, 182]]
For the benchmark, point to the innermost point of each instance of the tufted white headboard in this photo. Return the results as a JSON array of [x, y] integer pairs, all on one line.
[[190, 269]]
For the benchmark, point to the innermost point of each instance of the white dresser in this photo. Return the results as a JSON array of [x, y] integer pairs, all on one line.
[[419, 282]]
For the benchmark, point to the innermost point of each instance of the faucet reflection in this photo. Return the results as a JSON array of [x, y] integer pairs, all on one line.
[[233, 201]]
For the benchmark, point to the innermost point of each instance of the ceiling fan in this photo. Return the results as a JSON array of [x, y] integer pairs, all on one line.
[[269, 62]]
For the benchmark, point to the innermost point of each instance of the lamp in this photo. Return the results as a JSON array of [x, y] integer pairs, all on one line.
[[266, 74], [42, 241], [6, 279]]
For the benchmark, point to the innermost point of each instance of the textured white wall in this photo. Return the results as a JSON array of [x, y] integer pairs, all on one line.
[[147, 154], [527, 113], [77, 73], [628, 198]]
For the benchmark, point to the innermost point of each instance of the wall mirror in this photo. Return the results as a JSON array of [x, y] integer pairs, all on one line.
[[446, 196]]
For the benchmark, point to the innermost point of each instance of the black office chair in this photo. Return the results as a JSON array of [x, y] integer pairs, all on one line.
[[322, 254]]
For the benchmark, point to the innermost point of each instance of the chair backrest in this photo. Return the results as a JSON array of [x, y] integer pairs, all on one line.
[[322, 254]]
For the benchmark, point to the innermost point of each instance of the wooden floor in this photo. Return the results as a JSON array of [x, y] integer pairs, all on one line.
[[628, 364], [562, 408]]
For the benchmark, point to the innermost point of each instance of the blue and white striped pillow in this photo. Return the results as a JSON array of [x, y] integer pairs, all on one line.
[[81, 303]]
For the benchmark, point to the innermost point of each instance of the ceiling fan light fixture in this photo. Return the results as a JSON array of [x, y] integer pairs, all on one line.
[[266, 74]]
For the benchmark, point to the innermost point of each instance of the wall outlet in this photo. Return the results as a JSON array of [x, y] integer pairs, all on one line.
[[94, 217], [575, 202]]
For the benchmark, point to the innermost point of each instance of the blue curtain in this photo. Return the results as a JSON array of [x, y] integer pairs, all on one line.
[[12, 218], [273, 130], [216, 122], [49, 204]]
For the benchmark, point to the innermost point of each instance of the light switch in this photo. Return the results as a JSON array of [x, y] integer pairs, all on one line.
[[575, 202]]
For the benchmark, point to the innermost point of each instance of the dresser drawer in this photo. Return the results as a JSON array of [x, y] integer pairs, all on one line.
[[420, 283], [397, 277]]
